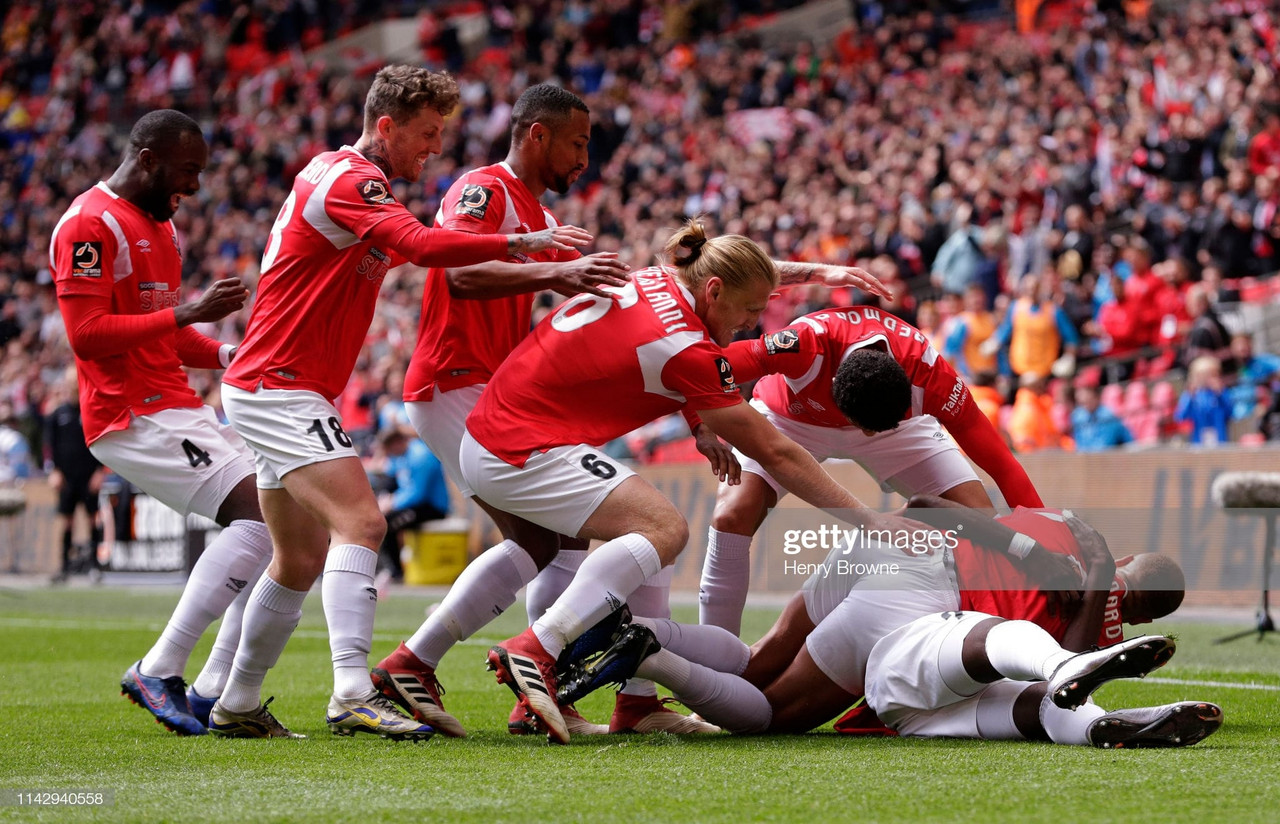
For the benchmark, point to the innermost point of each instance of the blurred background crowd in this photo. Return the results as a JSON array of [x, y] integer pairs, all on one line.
[[1083, 217]]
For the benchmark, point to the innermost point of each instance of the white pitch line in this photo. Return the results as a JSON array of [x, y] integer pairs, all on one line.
[[124, 626], [1191, 682]]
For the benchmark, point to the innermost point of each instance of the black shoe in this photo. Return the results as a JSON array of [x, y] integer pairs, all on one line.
[[614, 666], [1172, 725]]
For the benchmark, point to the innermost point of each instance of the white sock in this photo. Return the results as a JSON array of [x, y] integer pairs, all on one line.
[[951, 656], [484, 590], [1022, 651], [994, 713], [1068, 726], [550, 583], [350, 600], [270, 617], [217, 668], [605, 581], [712, 647], [652, 599], [224, 570], [722, 699], [726, 576]]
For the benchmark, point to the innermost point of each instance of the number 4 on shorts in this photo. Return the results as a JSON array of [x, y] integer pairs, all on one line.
[[196, 455]]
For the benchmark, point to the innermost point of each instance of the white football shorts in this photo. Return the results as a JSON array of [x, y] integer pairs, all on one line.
[[854, 610], [905, 685], [185, 458], [286, 429], [558, 489], [916, 457], [440, 423]]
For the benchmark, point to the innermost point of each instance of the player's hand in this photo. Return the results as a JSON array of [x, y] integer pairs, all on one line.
[[559, 237], [221, 299], [1059, 576], [591, 274], [723, 464], [836, 276], [55, 480]]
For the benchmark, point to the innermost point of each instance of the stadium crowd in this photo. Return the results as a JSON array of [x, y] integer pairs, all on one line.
[[1060, 212]]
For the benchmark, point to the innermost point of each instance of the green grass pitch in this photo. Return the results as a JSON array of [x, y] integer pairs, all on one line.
[[64, 725]]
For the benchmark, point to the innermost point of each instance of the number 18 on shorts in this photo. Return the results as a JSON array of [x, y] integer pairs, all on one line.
[[286, 429]]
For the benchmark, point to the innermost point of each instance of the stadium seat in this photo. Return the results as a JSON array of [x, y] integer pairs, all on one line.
[[1135, 398], [1164, 398], [1144, 426], [1112, 397], [1060, 414]]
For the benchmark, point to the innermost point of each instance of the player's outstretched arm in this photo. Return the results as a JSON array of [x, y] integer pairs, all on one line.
[[787, 461], [497, 279], [1050, 570], [793, 274], [984, 446]]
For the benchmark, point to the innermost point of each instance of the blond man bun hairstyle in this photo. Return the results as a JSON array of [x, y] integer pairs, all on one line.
[[735, 259]]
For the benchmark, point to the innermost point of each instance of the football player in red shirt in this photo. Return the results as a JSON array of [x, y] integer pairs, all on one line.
[[594, 370], [904, 634], [853, 383], [337, 234], [117, 270], [460, 345], [471, 320]]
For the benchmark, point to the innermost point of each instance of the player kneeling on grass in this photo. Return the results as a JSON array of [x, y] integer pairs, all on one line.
[[943, 671]]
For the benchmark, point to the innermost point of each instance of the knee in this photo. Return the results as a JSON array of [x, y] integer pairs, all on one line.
[[367, 529], [540, 544], [669, 536], [737, 511]]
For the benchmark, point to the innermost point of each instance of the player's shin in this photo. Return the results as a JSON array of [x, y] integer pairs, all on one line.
[[350, 601], [270, 617], [485, 588], [726, 576], [722, 699], [710, 646], [225, 569], [217, 667], [545, 589], [606, 580]]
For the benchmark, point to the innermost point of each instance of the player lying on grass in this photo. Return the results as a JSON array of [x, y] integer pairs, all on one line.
[[854, 383], [908, 639]]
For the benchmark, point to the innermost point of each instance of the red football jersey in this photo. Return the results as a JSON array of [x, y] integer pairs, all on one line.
[[463, 342], [991, 582], [598, 368], [336, 236], [802, 360], [107, 249], [799, 363]]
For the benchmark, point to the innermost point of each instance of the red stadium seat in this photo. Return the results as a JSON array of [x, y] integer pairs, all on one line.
[[1112, 397], [1135, 398], [1164, 398], [1144, 426]]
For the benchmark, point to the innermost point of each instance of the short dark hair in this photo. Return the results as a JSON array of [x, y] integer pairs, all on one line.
[[162, 129], [872, 389], [402, 92], [544, 103]]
